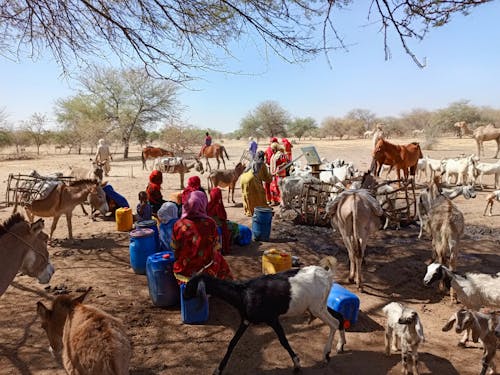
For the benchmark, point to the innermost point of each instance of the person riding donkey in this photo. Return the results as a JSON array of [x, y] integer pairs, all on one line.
[[208, 142]]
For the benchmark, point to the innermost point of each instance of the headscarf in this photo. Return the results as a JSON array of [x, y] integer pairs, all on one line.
[[274, 146], [193, 184], [274, 140], [216, 205], [258, 161], [195, 206], [156, 177], [167, 212], [101, 142]]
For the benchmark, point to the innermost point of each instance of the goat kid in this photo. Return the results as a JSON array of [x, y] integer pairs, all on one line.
[[264, 299], [490, 199], [480, 326], [404, 324]]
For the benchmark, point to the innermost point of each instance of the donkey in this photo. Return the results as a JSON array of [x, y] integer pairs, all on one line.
[[226, 177]]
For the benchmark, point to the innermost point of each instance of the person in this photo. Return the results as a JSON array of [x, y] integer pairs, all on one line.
[[208, 142], [153, 190], [269, 154], [288, 148], [195, 241], [168, 214], [144, 211], [114, 199], [103, 156], [252, 147], [278, 160], [217, 211], [193, 184], [252, 190]]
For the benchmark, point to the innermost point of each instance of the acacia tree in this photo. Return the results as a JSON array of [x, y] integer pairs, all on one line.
[[187, 35], [36, 129], [269, 119], [299, 126]]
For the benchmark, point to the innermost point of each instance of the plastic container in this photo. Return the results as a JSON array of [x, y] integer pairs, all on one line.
[[274, 261], [151, 224], [142, 245], [124, 219], [245, 235], [163, 288], [345, 302], [195, 310], [261, 223]]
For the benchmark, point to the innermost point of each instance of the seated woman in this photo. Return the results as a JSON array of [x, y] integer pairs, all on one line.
[[168, 215], [252, 189], [217, 212], [196, 242], [153, 190], [193, 184]]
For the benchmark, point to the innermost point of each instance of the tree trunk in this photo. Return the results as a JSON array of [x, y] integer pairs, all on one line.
[[125, 149]]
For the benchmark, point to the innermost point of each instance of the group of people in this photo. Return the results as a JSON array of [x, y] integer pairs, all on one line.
[[260, 182]]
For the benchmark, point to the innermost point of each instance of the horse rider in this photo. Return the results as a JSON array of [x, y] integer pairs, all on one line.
[[208, 142], [103, 156]]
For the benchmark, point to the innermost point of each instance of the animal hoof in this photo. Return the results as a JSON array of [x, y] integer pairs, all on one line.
[[461, 344], [340, 350]]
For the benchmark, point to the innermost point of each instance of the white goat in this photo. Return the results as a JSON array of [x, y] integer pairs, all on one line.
[[386, 197], [421, 168], [404, 324], [434, 166], [335, 174], [291, 188], [481, 327], [488, 169], [464, 168], [491, 198]]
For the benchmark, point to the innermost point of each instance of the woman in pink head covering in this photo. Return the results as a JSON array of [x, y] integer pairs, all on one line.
[[195, 241]]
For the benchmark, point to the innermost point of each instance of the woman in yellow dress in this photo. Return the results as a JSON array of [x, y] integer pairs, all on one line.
[[252, 181]]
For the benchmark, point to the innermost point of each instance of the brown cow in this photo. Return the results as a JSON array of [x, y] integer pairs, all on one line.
[[225, 178], [86, 339]]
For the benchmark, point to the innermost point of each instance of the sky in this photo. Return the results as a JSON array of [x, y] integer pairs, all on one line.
[[462, 63]]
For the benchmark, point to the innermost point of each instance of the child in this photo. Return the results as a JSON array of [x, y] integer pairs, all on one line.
[[153, 190], [143, 208]]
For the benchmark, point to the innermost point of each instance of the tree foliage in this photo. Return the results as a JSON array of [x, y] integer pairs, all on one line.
[[189, 35], [300, 126], [268, 119], [36, 129]]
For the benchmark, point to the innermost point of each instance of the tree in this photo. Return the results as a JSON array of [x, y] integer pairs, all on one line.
[[457, 111], [35, 127], [420, 119], [181, 138], [363, 117], [190, 35], [299, 126], [267, 120]]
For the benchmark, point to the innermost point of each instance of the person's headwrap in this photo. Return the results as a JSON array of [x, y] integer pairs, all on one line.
[[156, 177], [274, 146], [193, 184], [101, 142], [258, 160], [195, 206], [274, 140], [216, 205], [168, 211]]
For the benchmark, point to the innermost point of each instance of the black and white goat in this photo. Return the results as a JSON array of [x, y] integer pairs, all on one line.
[[403, 324], [482, 328], [264, 299]]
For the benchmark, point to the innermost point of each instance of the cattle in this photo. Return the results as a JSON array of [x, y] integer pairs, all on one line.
[[226, 178]]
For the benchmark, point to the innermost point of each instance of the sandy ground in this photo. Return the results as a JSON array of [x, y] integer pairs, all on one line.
[[162, 344]]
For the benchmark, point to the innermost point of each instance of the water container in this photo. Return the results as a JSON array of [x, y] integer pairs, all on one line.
[[244, 236], [151, 224], [163, 288], [275, 261], [124, 219], [261, 223], [345, 302], [142, 245], [195, 310]]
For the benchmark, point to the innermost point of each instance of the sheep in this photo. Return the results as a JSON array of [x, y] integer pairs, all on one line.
[[480, 325], [474, 290], [264, 299], [490, 199], [404, 324]]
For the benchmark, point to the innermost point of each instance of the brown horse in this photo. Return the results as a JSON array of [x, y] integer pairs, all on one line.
[[153, 153], [23, 247], [214, 151], [403, 157]]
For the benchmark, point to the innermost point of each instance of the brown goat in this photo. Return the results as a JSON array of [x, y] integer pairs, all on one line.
[[490, 199], [226, 178], [90, 341]]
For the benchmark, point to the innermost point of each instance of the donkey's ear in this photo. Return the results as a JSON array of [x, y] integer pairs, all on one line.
[[37, 226], [449, 324], [81, 297], [42, 311], [104, 183]]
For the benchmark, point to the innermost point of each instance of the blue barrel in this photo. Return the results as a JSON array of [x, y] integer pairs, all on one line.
[[244, 236], [142, 245], [163, 288], [194, 310], [344, 302], [151, 224], [261, 223]]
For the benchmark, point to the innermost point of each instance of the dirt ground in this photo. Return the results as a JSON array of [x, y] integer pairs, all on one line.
[[162, 344]]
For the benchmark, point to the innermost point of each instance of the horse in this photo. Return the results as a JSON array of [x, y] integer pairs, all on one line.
[[403, 157], [153, 153], [63, 199], [214, 151], [183, 167], [23, 247]]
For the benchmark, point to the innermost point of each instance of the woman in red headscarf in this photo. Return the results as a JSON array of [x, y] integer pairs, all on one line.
[[217, 212], [195, 241], [193, 184], [153, 190], [269, 154]]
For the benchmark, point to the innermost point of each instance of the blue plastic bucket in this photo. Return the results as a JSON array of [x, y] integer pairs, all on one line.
[[151, 224], [244, 236], [142, 245], [194, 310], [261, 223], [344, 302], [163, 288]]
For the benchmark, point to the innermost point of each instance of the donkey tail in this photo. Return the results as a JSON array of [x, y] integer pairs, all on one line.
[[143, 160]]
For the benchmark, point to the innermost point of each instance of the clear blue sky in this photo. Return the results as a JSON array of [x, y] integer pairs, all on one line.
[[463, 62]]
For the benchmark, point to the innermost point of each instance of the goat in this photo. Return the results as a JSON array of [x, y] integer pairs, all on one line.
[[464, 168], [404, 324], [91, 341], [434, 166], [264, 299], [226, 178], [421, 168], [291, 187], [488, 169], [490, 199], [467, 191], [480, 326], [335, 174], [474, 290], [386, 197]]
